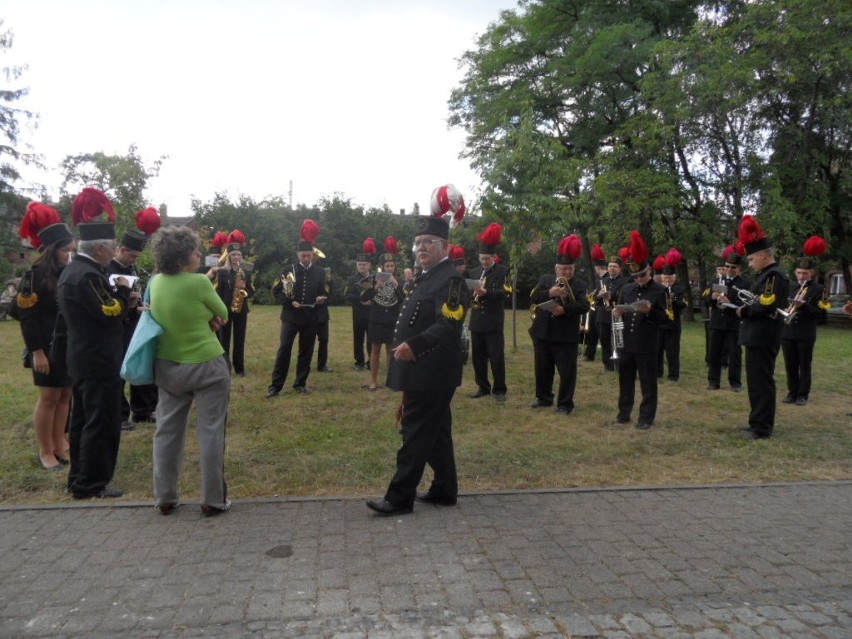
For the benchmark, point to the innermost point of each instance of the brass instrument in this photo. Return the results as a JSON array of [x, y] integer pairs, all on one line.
[[745, 296], [568, 295], [385, 295], [617, 336], [789, 314], [288, 283], [474, 302], [670, 304], [238, 299]]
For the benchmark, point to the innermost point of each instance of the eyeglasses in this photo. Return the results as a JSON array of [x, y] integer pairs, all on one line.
[[426, 243]]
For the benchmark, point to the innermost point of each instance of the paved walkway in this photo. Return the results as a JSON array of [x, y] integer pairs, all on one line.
[[704, 562]]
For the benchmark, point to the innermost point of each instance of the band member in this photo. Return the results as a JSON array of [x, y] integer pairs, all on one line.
[[299, 290], [143, 399], [659, 263], [725, 324], [607, 294], [487, 316], [558, 302], [590, 324], [427, 366], [708, 304], [91, 319], [760, 331], [807, 309], [457, 255], [234, 286], [385, 297], [641, 310], [668, 349], [356, 284], [323, 319]]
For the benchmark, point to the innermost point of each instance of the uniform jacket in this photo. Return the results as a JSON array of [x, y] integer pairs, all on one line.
[[431, 321], [489, 316], [225, 282], [91, 319], [355, 285], [603, 310], [725, 319], [640, 329], [38, 316], [760, 324], [803, 325], [565, 328], [310, 284], [383, 314], [676, 300], [131, 319]]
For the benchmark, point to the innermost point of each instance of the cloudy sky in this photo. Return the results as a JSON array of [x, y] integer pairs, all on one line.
[[244, 96]]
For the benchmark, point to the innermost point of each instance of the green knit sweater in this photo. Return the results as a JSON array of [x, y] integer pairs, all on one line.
[[183, 304]]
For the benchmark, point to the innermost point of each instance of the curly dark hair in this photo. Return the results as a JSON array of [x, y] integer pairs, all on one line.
[[173, 247]]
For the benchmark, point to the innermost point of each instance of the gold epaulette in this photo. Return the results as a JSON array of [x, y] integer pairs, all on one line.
[[767, 300], [824, 304], [507, 287], [112, 309], [670, 314], [453, 308], [706, 292], [26, 300]]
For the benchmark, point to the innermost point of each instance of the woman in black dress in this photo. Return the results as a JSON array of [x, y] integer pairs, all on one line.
[[386, 297], [37, 311]]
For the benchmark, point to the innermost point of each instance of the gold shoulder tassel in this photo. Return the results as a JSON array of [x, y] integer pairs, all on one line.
[[26, 300]]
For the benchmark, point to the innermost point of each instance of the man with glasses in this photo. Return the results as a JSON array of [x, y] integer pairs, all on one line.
[[91, 316], [642, 308], [725, 326], [426, 365]]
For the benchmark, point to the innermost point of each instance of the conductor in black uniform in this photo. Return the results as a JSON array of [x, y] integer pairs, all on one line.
[[760, 330], [487, 316], [806, 310], [641, 327], [299, 290], [427, 367], [556, 330], [92, 314]]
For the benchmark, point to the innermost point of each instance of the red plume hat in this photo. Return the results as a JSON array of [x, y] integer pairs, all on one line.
[[598, 255], [659, 263], [490, 238], [570, 249], [752, 236], [308, 234], [42, 226], [90, 204], [445, 200], [639, 252], [391, 249], [813, 247], [672, 259], [147, 223]]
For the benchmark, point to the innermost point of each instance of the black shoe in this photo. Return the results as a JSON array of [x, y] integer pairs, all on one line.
[[127, 425], [790, 399], [750, 434], [105, 493], [712, 387], [737, 388], [747, 429], [801, 401], [325, 369], [673, 380], [272, 391], [540, 405], [643, 425], [609, 368], [358, 367], [167, 509], [302, 389], [429, 498], [385, 508], [479, 393], [210, 511], [138, 419], [621, 421], [241, 373], [499, 397], [564, 410]]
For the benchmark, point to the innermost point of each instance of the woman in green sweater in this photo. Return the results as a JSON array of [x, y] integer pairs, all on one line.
[[189, 367]]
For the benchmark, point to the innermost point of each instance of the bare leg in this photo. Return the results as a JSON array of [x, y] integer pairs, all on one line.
[[43, 420], [60, 423]]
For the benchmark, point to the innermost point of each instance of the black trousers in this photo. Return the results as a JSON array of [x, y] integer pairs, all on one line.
[[562, 357], [322, 345], [307, 336], [489, 346], [237, 324], [590, 342], [360, 337], [645, 366], [94, 434], [605, 335], [724, 345], [760, 374], [798, 358], [668, 350], [143, 402], [427, 438]]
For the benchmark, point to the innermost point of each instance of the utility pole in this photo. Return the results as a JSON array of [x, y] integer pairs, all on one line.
[[290, 196]]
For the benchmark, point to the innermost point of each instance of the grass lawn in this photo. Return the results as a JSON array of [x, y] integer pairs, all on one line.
[[342, 440]]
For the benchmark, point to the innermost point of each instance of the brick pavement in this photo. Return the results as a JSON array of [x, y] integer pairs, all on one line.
[[693, 562]]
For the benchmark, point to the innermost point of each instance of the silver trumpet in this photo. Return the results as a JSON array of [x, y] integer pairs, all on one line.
[[617, 336], [745, 296]]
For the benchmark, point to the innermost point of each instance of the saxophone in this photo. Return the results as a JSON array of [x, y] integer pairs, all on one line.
[[238, 300]]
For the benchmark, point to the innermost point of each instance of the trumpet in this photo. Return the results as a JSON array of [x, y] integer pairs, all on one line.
[[789, 314], [567, 295], [617, 336], [745, 296], [475, 301]]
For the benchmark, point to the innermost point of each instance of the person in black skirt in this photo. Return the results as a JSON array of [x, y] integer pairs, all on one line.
[[385, 297], [37, 310]]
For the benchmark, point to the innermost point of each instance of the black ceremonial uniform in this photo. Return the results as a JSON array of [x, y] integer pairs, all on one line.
[[143, 399], [639, 355], [355, 285], [385, 304], [668, 348], [430, 322], [487, 317], [724, 337], [303, 321], [760, 333], [237, 322], [91, 324], [798, 338], [555, 341], [322, 327], [603, 316], [38, 319]]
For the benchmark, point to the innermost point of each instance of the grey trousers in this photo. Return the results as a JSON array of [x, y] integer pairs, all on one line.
[[209, 384]]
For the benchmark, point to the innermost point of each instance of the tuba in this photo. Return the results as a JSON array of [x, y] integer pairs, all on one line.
[[238, 299], [386, 292]]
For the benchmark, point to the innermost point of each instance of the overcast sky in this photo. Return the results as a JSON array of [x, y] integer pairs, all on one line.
[[243, 96]]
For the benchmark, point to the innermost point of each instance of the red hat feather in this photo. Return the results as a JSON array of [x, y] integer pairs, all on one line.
[[492, 235], [309, 231], [220, 239], [674, 257], [739, 248], [638, 248], [447, 199], [148, 220], [815, 246], [391, 245], [456, 252], [370, 246], [571, 246], [598, 253], [236, 237], [624, 253], [89, 204], [727, 251], [37, 218], [750, 230], [659, 263]]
